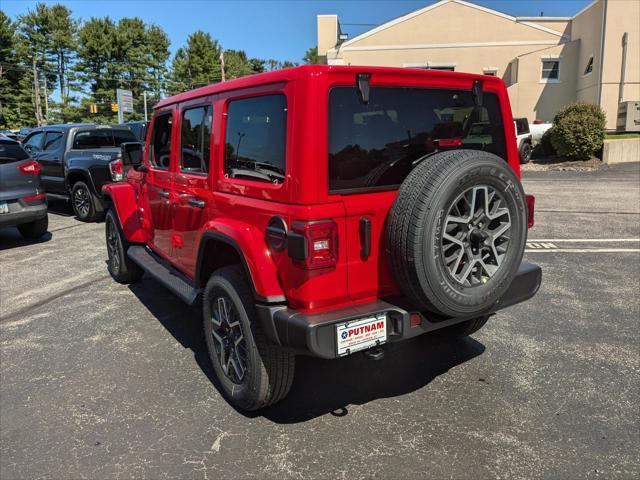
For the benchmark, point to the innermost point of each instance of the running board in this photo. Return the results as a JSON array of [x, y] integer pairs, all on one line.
[[173, 280], [57, 196]]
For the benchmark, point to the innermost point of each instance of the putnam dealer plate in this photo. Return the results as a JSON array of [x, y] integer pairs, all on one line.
[[361, 334]]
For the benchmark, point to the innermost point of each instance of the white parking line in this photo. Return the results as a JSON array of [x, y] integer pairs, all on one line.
[[586, 240], [583, 250]]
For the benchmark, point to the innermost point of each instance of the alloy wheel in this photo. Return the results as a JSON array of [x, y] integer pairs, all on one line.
[[229, 342], [81, 201], [476, 235]]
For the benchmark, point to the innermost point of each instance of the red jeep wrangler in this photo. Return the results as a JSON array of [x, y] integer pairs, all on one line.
[[326, 210]]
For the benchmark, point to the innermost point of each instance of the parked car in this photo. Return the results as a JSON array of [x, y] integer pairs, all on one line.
[[538, 129], [523, 139], [23, 203], [324, 211], [8, 133], [23, 132], [76, 161], [139, 129]]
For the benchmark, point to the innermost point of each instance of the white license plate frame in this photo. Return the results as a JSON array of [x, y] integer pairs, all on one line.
[[360, 333]]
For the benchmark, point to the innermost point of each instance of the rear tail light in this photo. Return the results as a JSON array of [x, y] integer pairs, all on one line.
[[29, 168], [316, 245], [116, 169], [531, 204], [38, 199]]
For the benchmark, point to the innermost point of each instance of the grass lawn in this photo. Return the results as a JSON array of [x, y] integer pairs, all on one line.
[[621, 136]]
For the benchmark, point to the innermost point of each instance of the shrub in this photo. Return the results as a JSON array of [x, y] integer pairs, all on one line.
[[544, 148], [578, 131]]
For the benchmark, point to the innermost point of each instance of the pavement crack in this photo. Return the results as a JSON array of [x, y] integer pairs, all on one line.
[[57, 295]]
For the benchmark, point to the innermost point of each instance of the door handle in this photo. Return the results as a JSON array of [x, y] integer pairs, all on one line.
[[194, 202]]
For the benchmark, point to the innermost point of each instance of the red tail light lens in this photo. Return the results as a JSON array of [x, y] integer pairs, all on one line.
[[29, 168], [531, 204], [320, 243], [116, 170]]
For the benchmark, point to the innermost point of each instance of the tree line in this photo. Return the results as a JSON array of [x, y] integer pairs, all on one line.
[[46, 50]]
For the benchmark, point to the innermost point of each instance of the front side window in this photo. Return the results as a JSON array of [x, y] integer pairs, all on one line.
[[550, 70], [53, 141], [195, 139], [255, 140], [160, 151], [107, 138], [376, 145]]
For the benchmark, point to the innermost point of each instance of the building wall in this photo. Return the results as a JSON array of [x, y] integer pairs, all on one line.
[[587, 26]]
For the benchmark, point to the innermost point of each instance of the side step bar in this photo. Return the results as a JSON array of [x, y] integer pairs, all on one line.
[[57, 196], [173, 280]]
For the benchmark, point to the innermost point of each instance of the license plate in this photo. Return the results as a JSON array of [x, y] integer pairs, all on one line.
[[4, 207], [361, 334]]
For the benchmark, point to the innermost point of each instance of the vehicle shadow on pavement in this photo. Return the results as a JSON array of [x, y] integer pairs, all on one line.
[[10, 238], [322, 387]]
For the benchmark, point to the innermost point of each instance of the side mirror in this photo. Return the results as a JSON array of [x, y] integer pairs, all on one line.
[[131, 153]]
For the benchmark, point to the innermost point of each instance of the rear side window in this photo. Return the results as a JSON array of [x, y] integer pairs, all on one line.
[[255, 141], [377, 145], [92, 139], [11, 152], [195, 139], [522, 125], [160, 151]]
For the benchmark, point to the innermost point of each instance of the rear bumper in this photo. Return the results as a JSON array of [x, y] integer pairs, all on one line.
[[314, 334], [20, 213]]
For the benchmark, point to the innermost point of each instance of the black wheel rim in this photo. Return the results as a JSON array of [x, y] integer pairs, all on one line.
[[526, 153], [228, 339], [81, 201], [112, 247]]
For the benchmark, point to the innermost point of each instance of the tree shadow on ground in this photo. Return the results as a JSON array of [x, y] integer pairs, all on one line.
[[323, 387]]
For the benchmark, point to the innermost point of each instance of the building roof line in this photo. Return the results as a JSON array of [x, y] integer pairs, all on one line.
[[433, 6]]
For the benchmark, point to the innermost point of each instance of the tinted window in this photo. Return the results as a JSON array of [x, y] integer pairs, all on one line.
[[11, 152], [522, 126], [107, 138], [377, 145], [256, 138], [34, 141], [52, 141], [160, 151], [195, 139]]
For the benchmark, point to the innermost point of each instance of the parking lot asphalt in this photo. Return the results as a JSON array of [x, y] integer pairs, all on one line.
[[101, 380]]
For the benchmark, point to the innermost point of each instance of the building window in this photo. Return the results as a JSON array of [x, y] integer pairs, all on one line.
[[589, 68], [448, 68], [492, 72], [550, 70]]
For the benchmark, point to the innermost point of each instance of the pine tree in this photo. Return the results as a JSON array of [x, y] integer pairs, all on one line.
[[197, 64]]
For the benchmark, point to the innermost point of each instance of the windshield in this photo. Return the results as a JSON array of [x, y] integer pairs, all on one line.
[[107, 138], [376, 145]]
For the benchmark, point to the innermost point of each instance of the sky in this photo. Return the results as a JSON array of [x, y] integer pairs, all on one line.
[[278, 29]]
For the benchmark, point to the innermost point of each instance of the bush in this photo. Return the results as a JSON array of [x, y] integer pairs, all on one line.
[[578, 131], [544, 148]]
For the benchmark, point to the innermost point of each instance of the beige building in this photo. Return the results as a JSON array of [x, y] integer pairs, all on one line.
[[546, 62]]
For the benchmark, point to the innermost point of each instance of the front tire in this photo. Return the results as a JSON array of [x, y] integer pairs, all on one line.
[[35, 229], [85, 204], [252, 372], [120, 266]]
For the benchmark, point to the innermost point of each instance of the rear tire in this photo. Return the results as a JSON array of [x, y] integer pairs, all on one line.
[[120, 266], [448, 247], [252, 371], [35, 229], [86, 205], [525, 153], [464, 329]]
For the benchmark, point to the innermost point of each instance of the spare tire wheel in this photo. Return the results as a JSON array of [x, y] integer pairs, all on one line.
[[457, 231]]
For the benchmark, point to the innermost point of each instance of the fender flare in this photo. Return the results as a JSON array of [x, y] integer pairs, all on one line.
[[123, 199], [86, 175], [253, 253]]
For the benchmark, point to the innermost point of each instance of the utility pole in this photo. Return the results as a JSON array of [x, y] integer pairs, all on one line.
[[222, 65], [36, 93], [144, 97]]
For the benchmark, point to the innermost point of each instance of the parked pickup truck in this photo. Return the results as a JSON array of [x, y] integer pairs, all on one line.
[[326, 210], [76, 161]]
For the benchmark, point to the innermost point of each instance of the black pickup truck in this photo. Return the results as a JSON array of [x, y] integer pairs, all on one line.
[[76, 160]]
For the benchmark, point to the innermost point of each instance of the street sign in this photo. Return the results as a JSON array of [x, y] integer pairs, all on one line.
[[125, 103]]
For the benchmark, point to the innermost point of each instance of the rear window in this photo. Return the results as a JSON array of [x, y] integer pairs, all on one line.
[[11, 152], [522, 125], [90, 139], [377, 145]]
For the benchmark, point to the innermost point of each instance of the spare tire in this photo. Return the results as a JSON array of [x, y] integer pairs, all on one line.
[[456, 232]]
